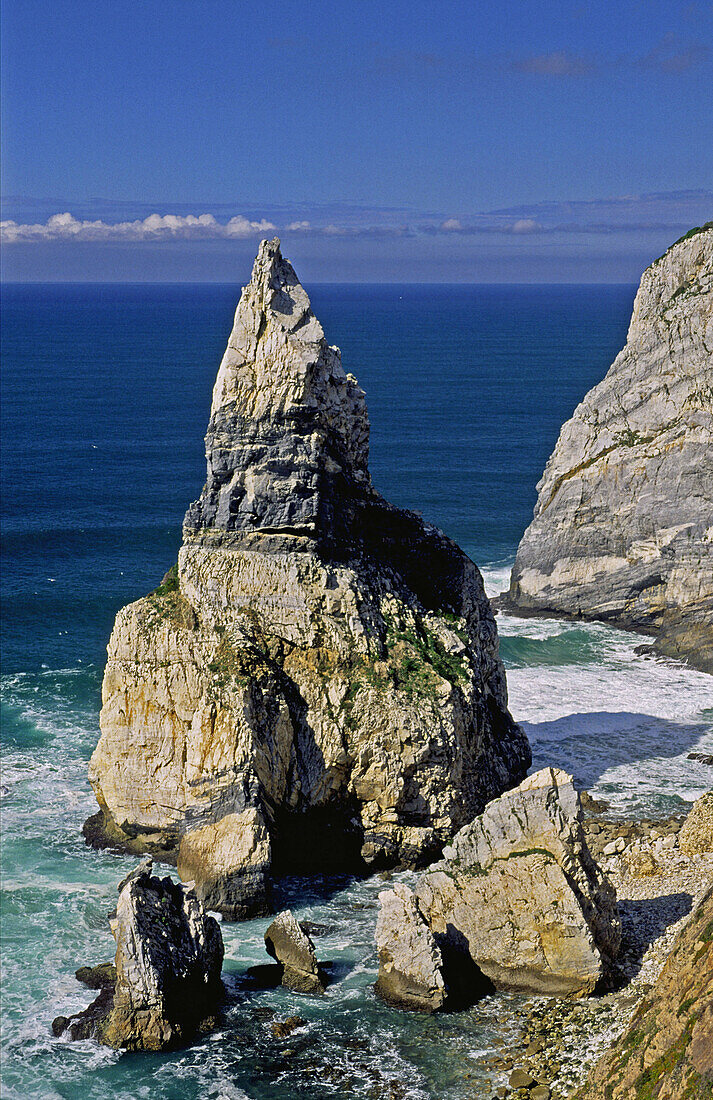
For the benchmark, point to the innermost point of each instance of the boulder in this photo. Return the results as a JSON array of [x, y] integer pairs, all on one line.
[[320, 665], [621, 528], [229, 863], [410, 963], [166, 985], [696, 835], [519, 895], [292, 948]]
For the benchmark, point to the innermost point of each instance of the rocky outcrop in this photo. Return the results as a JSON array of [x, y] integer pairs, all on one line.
[[410, 962], [519, 896], [318, 683], [165, 986], [696, 833], [623, 524], [666, 1052], [292, 948]]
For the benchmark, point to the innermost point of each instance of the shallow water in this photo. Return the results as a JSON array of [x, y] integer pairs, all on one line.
[[467, 388]]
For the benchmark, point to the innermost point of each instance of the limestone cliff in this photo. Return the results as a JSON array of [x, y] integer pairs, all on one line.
[[623, 525], [318, 683]]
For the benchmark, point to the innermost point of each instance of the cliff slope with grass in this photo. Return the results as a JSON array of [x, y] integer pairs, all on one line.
[[666, 1052]]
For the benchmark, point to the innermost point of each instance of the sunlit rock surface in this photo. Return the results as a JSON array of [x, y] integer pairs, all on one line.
[[623, 525], [317, 685]]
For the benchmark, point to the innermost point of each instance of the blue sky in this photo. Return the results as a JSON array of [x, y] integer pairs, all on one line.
[[449, 141]]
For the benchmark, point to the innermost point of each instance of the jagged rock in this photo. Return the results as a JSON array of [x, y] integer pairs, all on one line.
[[696, 833], [410, 963], [666, 1050], [519, 895], [292, 948], [320, 664], [229, 862], [623, 525], [166, 983]]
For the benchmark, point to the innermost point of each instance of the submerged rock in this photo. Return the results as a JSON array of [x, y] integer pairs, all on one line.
[[519, 895], [317, 685], [292, 948], [165, 986], [666, 1051], [410, 963], [623, 520]]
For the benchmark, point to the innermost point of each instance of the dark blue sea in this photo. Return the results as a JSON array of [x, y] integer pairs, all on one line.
[[105, 398]]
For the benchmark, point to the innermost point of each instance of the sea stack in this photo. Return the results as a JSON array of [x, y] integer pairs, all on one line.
[[623, 526], [317, 684]]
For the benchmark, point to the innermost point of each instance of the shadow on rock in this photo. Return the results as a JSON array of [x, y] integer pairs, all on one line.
[[643, 921]]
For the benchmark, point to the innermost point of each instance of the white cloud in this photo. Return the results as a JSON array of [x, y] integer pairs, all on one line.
[[452, 225], [298, 227], [65, 227], [526, 225]]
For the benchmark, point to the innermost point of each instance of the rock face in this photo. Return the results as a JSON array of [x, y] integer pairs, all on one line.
[[519, 895], [623, 525], [318, 683], [410, 962], [696, 833], [166, 985], [666, 1052], [292, 948]]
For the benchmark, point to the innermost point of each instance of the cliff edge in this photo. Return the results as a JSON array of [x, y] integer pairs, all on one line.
[[317, 683], [623, 525]]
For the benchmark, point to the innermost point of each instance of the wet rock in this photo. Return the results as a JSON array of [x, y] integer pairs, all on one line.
[[521, 1079], [701, 757], [294, 951], [520, 896], [166, 984], [410, 963], [282, 1028], [229, 863], [97, 977]]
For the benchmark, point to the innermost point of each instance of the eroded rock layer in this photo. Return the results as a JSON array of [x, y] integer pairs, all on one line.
[[623, 525], [318, 683]]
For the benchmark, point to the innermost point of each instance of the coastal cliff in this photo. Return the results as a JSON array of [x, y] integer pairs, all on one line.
[[623, 525], [317, 683]]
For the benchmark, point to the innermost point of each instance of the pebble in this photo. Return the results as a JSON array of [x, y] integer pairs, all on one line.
[[520, 1079]]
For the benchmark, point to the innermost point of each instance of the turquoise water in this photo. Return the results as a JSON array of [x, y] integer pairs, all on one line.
[[106, 393]]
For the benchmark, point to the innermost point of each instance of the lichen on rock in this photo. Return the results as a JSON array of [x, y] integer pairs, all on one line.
[[623, 525], [324, 671]]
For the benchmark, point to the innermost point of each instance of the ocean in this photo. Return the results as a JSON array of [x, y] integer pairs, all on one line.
[[105, 400]]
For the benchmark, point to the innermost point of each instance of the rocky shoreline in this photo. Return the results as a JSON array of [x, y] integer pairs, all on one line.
[[562, 1040]]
